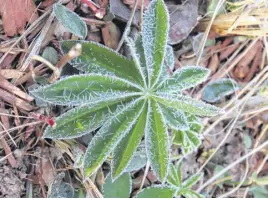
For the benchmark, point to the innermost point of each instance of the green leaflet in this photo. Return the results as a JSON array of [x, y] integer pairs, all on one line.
[[174, 175], [97, 58], [173, 118], [104, 142], [156, 192], [188, 104], [70, 20], [174, 179], [119, 188], [191, 181], [184, 78], [125, 149], [137, 58], [168, 64], [81, 89], [154, 38], [156, 141], [188, 140], [82, 120]]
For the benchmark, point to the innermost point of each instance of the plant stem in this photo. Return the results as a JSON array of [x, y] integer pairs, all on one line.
[[127, 26], [232, 165], [145, 175]]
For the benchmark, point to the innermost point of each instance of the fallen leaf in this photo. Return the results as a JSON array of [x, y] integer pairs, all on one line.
[[183, 19], [122, 12], [15, 14], [111, 35]]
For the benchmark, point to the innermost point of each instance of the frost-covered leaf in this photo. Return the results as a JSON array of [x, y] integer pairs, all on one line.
[[100, 59], [120, 100], [82, 120], [188, 140], [104, 142], [137, 57], [120, 188], [156, 192], [154, 38], [140, 51], [138, 161], [169, 57], [70, 20], [173, 118], [81, 89], [51, 55], [125, 149], [185, 78], [215, 91], [174, 175], [168, 65], [191, 181], [188, 104], [59, 189], [156, 141]]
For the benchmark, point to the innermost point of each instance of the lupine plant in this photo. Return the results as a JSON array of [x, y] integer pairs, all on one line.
[[125, 101]]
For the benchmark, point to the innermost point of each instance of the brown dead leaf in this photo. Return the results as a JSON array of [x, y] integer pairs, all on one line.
[[214, 63], [183, 19], [15, 14], [111, 35]]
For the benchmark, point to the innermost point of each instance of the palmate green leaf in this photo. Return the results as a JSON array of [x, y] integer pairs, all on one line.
[[126, 148], [119, 188], [156, 192], [82, 120], [97, 58], [154, 38], [104, 142], [122, 100], [156, 141], [173, 118], [187, 104], [184, 78], [70, 20], [81, 89]]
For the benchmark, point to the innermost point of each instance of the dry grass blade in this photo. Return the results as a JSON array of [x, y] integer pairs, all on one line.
[[250, 22]]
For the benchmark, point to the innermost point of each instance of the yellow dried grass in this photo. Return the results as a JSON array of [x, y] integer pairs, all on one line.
[[251, 21]]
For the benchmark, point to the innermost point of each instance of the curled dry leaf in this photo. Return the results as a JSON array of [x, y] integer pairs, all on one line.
[[15, 14]]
